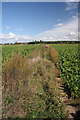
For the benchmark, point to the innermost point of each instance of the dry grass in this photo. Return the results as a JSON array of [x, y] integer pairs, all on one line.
[[54, 54]]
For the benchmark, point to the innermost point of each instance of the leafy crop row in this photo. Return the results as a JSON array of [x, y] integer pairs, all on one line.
[[69, 65], [11, 50]]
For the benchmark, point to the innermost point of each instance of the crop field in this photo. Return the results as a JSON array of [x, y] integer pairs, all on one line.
[[11, 50], [69, 63], [32, 78], [70, 67]]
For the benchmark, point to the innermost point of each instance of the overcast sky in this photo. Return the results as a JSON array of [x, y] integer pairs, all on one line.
[[24, 21]]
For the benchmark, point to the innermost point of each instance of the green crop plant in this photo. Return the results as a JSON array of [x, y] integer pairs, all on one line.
[[69, 66]]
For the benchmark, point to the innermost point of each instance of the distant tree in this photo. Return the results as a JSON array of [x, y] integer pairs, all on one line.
[[40, 41], [15, 43]]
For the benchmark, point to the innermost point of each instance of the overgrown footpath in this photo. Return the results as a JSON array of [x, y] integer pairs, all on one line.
[[31, 85]]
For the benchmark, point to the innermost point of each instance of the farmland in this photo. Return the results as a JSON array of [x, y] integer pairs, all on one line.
[[34, 63], [8, 51], [69, 64]]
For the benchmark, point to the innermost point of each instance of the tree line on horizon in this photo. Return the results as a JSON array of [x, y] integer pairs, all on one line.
[[44, 42]]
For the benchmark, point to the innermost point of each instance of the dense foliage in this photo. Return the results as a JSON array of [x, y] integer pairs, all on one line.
[[69, 65]]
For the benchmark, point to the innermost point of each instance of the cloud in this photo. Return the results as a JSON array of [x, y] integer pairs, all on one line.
[[59, 20], [59, 24], [11, 35], [7, 27], [12, 38], [71, 5], [72, 0], [51, 38], [19, 29], [66, 31], [74, 17]]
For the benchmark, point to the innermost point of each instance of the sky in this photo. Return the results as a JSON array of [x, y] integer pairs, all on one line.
[[47, 21]]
